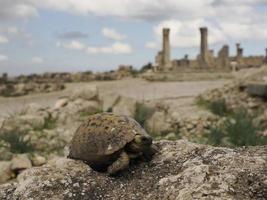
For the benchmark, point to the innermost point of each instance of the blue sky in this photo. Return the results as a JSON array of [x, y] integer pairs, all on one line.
[[77, 35]]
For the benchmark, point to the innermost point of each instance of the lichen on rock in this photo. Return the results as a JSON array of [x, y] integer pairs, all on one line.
[[180, 170]]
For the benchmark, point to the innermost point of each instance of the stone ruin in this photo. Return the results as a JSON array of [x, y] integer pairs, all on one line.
[[206, 59]]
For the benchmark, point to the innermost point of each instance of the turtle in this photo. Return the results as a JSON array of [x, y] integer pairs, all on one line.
[[108, 142]]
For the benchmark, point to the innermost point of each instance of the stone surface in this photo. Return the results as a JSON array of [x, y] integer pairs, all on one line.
[[32, 120], [125, 106], [38, 160], [20, 162], [158, 123], [109, 101], [179, 171], [89, 92], [5, 171], [24, 122], [61, 103], [259, 90]]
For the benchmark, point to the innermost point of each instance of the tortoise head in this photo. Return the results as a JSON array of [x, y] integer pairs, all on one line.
[[141, 142]]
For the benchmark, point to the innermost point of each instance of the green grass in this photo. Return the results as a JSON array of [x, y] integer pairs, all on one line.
[[50, 123], [16, 141]]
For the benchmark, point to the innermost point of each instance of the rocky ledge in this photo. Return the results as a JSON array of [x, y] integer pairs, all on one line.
[[180, 171]]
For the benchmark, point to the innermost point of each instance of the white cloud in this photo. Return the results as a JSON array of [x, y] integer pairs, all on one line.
[[3, 57], [3, 39], [17, 9], [74, 45], [72, 35], [16, 35], [12, 30], [116, 48], [138, 9], [152, 45], [186, 33], [37, 60], [112, 34], [226, 19]]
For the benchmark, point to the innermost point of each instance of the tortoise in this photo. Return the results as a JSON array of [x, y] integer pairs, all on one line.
[[107, 142]]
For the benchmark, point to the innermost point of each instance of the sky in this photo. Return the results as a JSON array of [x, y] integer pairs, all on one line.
[[39, 36]]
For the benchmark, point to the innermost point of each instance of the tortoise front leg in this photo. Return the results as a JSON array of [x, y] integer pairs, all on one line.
[[120, 164]]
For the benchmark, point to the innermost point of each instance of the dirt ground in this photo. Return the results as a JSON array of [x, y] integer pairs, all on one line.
[[182, 93]]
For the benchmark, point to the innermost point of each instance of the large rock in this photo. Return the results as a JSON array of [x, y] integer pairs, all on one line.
[[20, 162], [259, 90], [38, 160], [34, 121], [179, 171], [24, 122], [125, 106], [32, 108], [159, 124], [60, 103], [89, 92]]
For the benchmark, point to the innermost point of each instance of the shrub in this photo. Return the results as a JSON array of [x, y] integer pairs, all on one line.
[[16, 141], [50, 123], [241, 130], [216, 135], [146, 67], [142, 113], [238, 129], [217, 107]]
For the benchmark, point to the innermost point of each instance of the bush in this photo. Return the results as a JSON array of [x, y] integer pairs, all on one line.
[[217, 107], [142, 113], [239, 129], [146, 67], [215, 137], [17, 141], [50, 123]]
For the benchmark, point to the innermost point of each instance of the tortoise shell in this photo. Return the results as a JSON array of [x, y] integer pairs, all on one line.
[[102, 135]]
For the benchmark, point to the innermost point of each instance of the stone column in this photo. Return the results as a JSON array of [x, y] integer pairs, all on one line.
[[158, 59], [204, 50], [166, 51], [5, 76], [237, 47], [223, 57], [239, 51]]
